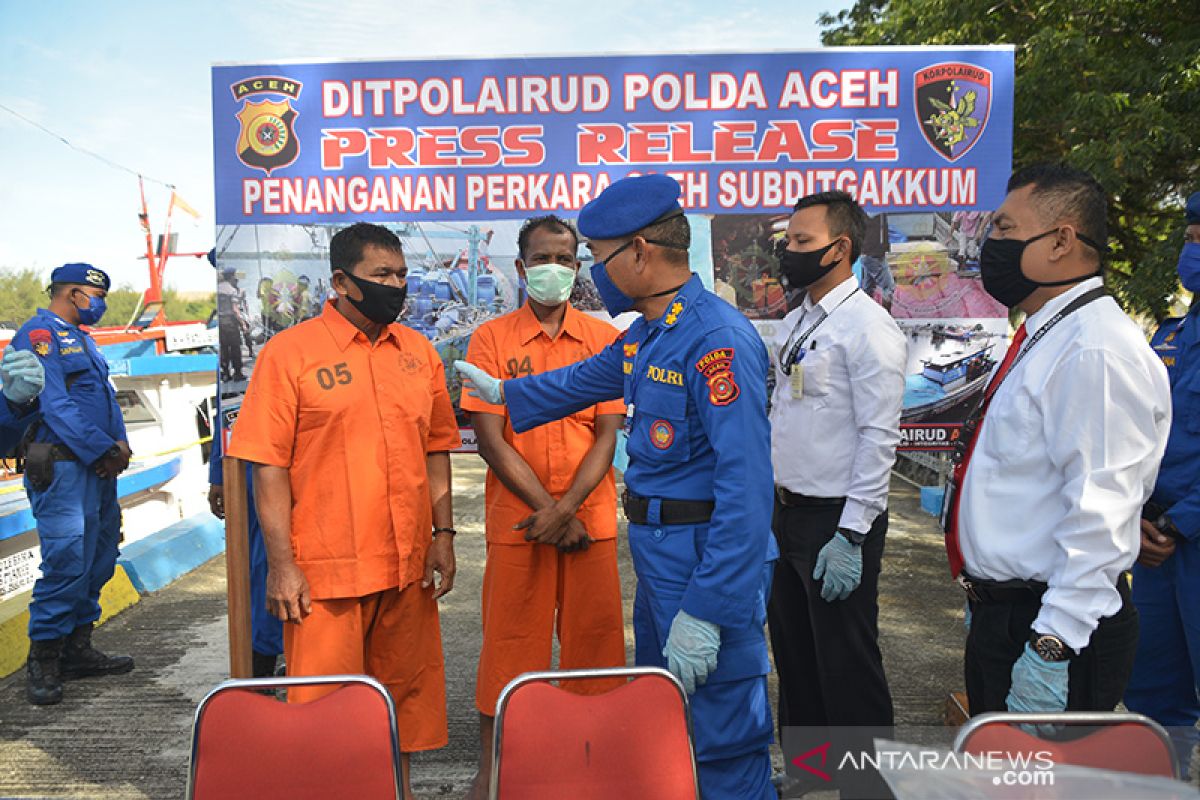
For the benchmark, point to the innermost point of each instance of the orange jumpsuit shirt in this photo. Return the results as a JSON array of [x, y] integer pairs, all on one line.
[[352, 422], [513, 346]]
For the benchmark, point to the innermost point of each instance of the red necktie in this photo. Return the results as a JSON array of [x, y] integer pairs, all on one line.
[[953, 551]]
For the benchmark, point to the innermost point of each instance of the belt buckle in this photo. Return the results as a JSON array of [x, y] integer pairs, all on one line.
[[969, 588]]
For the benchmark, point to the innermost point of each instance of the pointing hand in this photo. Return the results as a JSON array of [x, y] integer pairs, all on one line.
[[480, 384]]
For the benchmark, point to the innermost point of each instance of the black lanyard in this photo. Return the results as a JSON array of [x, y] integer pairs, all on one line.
[[791, 352], [972, 422]]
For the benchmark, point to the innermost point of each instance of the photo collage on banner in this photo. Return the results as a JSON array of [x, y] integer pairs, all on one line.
[[454, 155]]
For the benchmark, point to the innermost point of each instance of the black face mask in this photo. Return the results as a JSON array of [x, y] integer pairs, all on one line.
[[380, 303], [1000, 267], [804, 269]]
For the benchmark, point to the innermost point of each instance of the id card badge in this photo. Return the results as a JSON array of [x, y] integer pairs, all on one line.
[[797, 376], [629, 419]]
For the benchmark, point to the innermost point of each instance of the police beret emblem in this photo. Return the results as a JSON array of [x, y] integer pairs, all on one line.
[[95, 277]]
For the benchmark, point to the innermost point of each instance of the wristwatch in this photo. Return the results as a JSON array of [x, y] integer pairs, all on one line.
[[1164, 524], [1049, 647], [854, 537]]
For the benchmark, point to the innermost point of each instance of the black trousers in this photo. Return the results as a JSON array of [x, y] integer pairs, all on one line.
[[1098, 675], [230, 339], [827, 654]]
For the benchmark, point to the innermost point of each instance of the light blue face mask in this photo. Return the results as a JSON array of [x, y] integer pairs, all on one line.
[[1189, 266], [95, 310]]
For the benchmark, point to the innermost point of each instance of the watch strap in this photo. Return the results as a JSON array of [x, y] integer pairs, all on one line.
[[854, 537]]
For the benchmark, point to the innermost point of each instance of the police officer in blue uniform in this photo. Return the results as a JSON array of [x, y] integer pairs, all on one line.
[[22, 379], [266, 632], [73, 456], [1166, 578], [693, 375]]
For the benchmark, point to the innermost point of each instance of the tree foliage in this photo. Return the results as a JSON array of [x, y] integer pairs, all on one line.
[[23, 292], [1109, 86]]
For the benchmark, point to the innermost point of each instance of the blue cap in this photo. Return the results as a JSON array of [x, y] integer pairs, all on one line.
[[84, 274], [629, 205], [1193, 209]]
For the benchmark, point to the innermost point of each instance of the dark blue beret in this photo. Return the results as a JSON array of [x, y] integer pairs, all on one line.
[[1193, 209], [629, 205], [84, 274]]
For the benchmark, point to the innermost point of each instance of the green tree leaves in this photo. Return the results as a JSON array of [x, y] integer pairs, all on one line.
[[1109, 86]]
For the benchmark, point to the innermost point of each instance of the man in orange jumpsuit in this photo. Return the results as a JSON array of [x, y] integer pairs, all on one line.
[[349, 426], [551, 499]]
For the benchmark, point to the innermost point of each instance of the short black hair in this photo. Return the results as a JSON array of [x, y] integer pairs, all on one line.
[[53, 289], [347, 245], [550, 222], [674, 234], [843, 215], [1063, 193]]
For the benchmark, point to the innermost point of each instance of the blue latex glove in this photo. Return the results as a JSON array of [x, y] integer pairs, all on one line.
[[691, 650], [621, 452], [23, 376], [480, 384], [1038, 687], [840, 565]]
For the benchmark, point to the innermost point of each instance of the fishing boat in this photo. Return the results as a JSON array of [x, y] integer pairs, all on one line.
[[945, 381]]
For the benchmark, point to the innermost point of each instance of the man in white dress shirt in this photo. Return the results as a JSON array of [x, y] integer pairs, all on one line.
[[1065, 454], [839, 364]]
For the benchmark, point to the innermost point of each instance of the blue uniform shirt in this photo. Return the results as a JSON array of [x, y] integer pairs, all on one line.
[[1178, 488], [79, 406], [695, 384]]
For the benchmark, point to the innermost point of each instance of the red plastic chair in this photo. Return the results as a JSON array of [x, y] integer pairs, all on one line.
[[345, 744], [1119, 742], [631, 743]]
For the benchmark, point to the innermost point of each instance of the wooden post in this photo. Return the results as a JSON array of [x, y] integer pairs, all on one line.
[[237, 567]]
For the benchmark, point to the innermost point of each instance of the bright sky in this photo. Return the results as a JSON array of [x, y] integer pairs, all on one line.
[[130, 81]]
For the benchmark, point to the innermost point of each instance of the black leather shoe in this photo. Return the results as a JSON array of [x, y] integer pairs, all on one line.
[[43, 685], [81, 660]]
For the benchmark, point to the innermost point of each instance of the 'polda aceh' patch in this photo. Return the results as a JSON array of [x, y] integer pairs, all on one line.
[[717, 368]]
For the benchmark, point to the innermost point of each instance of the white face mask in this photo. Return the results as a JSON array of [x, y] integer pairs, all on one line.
[[549, 284]]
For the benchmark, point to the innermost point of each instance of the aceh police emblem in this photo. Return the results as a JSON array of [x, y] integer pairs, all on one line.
[[267, 140], [953, 103]]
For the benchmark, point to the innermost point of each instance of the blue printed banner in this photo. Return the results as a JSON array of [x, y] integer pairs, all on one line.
[[903, 129]]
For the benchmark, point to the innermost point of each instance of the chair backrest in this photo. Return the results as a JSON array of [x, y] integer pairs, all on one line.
[[345, 744], [1119, 742], [633, 742]]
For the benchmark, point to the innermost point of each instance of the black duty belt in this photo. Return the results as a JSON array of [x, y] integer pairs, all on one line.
[[1014, 592], [671, 512], [792, 499]]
